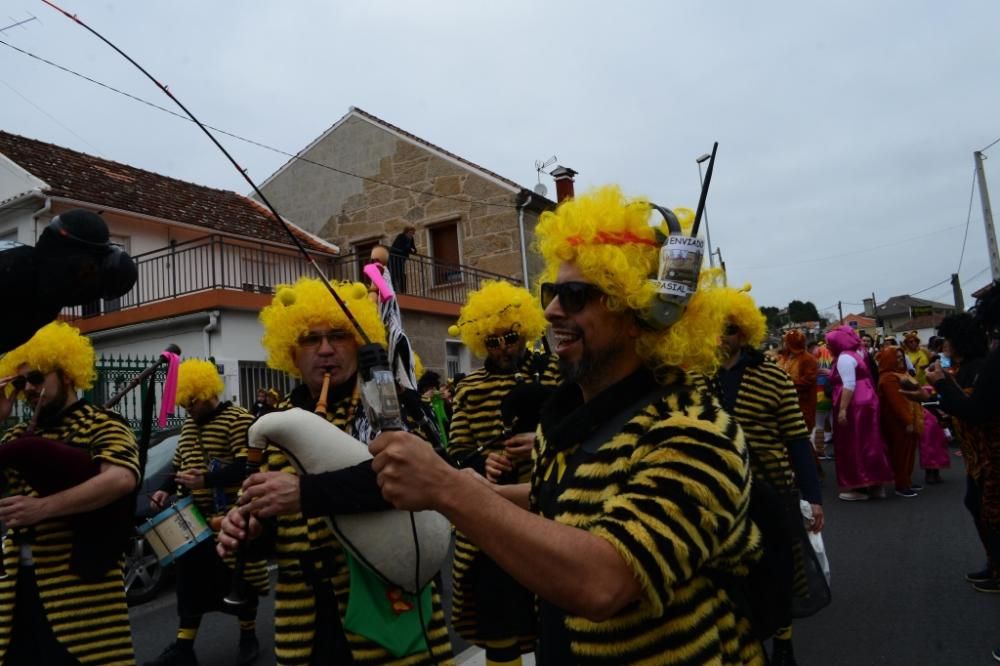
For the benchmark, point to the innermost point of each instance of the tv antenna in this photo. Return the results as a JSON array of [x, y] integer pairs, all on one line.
[[540, 166], [16, 24]]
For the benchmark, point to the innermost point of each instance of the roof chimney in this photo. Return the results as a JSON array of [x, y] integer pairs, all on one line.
[[564, 182], [869, 306]]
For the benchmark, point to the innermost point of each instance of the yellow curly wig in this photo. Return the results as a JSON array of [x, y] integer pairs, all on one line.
[[307, 304], [742, 310], [495, 308], [198, 380], [55, 346], [418, 365], [609, 239]]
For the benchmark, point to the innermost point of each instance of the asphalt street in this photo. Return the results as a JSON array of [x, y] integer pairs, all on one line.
[[899, 596]]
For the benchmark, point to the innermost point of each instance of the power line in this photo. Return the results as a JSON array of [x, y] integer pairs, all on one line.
[[968, 219], [870, 248], [991, 145], [257, 143], [49, 115], [936, 284]]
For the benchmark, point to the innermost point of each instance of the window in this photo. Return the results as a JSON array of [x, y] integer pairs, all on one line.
[[456, 358], [444, 250], [256, 375], [363, 251]]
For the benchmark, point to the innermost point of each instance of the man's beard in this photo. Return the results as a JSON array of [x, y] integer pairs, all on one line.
[[591, 366], [48, 414]]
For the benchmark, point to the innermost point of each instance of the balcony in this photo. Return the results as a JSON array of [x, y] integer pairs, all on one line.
[[243, 268]]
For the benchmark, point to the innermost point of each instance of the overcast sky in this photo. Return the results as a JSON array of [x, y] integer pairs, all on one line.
[[846, 130]]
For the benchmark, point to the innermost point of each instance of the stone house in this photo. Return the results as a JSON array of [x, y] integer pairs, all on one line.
[[364, 180]]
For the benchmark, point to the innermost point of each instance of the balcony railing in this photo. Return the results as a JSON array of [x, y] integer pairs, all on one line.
[[217, 262]]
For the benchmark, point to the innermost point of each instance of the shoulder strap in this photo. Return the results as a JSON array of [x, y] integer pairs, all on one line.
[[613, 425]]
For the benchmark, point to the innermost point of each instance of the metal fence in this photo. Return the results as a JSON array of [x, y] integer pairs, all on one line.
[[218, 262]]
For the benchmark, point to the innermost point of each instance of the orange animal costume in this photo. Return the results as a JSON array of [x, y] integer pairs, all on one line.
[[803, 368], [902, 420]]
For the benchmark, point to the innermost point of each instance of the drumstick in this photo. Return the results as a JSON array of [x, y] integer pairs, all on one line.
[[321, 403]]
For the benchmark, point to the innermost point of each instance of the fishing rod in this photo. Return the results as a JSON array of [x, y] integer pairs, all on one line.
[[232, 160]]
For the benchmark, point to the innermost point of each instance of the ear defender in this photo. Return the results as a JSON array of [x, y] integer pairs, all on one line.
[[677, 276]]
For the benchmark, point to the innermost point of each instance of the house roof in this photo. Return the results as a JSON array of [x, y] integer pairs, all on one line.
[[901, 304], [103, 183], [360, 113], [863, 321], [920, 323]]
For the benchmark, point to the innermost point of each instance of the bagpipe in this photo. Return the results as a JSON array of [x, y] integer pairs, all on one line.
[[50, 466], [403, 552]]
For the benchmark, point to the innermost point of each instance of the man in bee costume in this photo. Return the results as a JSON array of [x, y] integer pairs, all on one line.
[[307, 335], [496, 324], [210, 464], [57, 607], [641, 484], [762, 399]]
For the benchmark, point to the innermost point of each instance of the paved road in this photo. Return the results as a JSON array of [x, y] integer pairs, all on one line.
[[899, 597]]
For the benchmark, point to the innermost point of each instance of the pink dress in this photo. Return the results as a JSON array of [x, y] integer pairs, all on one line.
[[862, 455], [933, 445]]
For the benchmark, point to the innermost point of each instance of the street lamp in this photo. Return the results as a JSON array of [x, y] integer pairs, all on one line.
[[708, 236]]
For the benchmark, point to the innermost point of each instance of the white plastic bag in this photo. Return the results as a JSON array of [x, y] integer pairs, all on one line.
[[815, 539]]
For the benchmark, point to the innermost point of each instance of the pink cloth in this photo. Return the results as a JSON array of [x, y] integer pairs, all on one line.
[[933, 445], [862, 455], [169, 397]]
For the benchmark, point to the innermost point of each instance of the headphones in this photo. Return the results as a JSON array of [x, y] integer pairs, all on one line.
[[118, 271], [677, 278]]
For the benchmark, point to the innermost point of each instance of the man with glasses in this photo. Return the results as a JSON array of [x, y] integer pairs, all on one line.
[[640, 486], [210, 460], [497, 323], [307, 335], [64, 591], [762, 399]]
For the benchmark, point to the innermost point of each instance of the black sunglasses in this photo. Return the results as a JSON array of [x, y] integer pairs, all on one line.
[[35, 377], [509, 339], [333, 338], [573, 296]]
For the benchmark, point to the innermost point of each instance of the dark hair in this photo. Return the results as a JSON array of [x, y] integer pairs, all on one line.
[[429, 379], [964, 335], [987, 310]]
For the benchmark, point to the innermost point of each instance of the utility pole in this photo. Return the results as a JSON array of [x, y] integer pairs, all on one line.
[[956, 290], [991, 234], [840, 309]]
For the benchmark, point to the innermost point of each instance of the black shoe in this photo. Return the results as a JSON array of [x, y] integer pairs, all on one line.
[[979, 576], [988, 586], [175, 655], [782, 654], [249, 651]]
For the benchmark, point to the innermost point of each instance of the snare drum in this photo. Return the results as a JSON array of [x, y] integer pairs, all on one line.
[[175, 530]]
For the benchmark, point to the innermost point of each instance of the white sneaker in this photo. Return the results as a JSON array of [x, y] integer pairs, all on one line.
[[852, 496]]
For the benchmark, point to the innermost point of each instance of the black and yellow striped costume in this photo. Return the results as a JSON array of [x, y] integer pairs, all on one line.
[[223, 437], [671, 493], [302, 542], [476, 421], [767, 408], [89, 618]]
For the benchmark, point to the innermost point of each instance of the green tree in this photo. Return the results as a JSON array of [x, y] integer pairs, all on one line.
[[771, 314], [799, 311]]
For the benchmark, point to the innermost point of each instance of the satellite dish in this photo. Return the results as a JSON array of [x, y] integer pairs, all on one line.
[[541, 190]]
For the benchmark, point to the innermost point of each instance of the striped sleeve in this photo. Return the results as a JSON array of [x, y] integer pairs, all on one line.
[[684, 498], [791, 424], [238, 432], [114, 443]]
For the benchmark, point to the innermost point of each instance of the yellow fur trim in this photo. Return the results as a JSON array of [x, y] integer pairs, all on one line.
[[55, 346], [307, 304], [418, 365], [198, 380], [574, 233], [495, 308]]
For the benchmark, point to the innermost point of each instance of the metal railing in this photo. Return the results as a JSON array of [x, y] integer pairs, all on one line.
[[218, 262]]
